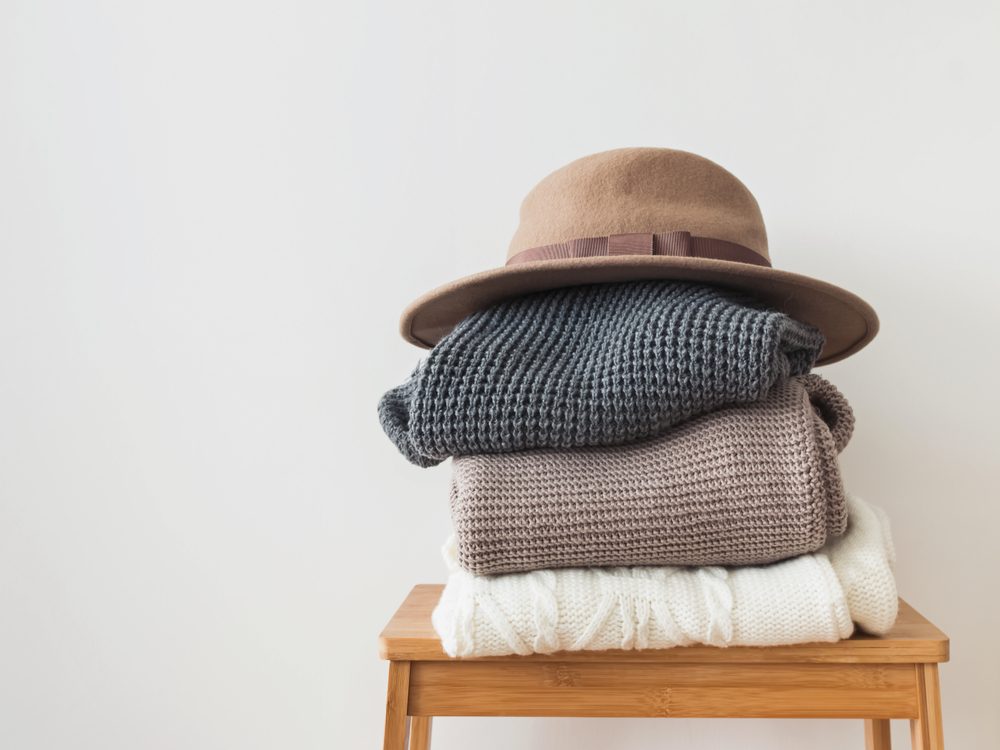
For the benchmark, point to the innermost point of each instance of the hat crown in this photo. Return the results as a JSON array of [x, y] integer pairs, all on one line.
[[640, 190]]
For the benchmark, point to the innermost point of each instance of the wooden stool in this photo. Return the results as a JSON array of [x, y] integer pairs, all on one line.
[[864, 677]]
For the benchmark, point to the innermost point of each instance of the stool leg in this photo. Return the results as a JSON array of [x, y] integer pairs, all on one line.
[[420, 732], [877, 734], [926, 732], [395, 705]]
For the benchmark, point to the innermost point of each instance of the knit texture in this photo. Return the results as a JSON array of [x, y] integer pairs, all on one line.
[[806, 599], [604, 364], [743, 485]]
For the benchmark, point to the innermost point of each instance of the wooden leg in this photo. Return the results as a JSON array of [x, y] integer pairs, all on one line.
[[420, 732], [877, 734], [926, 732], [395, 705]]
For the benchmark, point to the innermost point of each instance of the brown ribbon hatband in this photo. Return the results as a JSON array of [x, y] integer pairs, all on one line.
[[671, 244]]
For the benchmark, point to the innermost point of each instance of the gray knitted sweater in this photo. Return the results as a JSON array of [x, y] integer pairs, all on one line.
[[605, 364]]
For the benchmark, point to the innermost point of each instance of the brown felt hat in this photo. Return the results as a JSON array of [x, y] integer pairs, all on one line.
[[644, 213]]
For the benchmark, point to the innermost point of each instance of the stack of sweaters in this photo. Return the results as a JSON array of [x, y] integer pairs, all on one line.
[[642, 465]]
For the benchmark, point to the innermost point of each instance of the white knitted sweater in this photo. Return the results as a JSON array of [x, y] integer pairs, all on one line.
[[805, 599]]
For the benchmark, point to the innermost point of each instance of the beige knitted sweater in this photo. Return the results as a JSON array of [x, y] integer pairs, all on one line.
[[744, 485]]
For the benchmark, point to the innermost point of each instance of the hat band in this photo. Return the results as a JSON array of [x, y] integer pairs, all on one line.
[[670, 244]]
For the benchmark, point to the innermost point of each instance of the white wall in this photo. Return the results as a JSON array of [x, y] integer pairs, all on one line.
[[211, 215]]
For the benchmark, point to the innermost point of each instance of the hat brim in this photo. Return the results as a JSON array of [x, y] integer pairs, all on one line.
[[847, 322]]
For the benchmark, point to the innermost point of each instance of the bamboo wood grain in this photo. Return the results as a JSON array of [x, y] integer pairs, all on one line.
[[877, 735], [926, 730], [689, 690], [397, 696], [420, 733], [409, 635]]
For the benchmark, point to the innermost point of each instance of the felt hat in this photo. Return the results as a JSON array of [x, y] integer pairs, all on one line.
[[644, 213]]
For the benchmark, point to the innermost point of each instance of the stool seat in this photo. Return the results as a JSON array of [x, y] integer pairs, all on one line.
[[875, 678]]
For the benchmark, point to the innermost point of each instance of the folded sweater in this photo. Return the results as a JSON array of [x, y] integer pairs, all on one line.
[[604, 364], [805, 599], [744, 485]]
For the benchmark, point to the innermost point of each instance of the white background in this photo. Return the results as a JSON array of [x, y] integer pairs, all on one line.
[[211, 215]]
